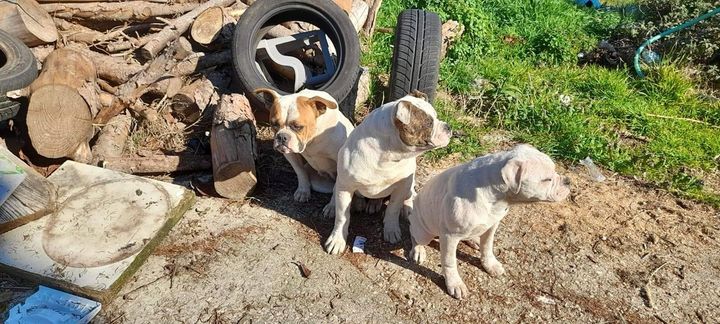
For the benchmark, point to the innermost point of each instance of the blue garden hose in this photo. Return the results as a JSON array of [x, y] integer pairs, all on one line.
[[686, 24]]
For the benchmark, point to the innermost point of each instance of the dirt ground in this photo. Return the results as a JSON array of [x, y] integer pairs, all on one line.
[[618, 251]]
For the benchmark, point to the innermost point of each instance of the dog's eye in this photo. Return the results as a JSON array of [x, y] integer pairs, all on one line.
[[547, 180], [297, 127]]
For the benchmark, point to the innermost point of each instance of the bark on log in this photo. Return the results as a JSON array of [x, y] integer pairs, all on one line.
[[216, 22], [358, 14], [128, 44], [77, 33], [130, 91], [188, 104], [199, 61], [112, 139], [369, 26], [158, 164], [232, 142], [176, 28], [113, 69], [33, 199], [115, 11], [166, 86], [81, 1], [27, 21], [62, 101]]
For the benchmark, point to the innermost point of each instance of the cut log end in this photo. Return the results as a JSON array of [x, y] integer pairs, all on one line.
[[57, 132], [27, 21], [207, 25], [234, 180]]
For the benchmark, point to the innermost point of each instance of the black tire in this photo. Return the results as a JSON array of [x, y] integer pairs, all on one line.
[[324, 14], [416, 55], [17, 64], [8, 108]]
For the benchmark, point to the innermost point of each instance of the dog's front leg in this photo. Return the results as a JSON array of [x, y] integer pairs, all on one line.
[[448, 249], [329, 209], [302, 194], [337, 241], [487, 257]]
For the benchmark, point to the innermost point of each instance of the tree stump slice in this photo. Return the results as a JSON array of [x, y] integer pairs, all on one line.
[[232, 142], [58, 120]]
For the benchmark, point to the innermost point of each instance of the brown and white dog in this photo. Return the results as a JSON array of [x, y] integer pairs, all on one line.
[[309, 127], [468, 201]]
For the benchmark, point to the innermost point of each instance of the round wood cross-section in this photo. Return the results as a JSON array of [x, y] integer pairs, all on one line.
[[58, 120], [106, 223]]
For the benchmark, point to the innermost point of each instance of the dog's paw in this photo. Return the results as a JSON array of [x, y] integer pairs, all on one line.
[[493, 267], [302, 195], [374, 205], [418, 254], [329, 211], [392, 233], [335, 244], [456, 287]]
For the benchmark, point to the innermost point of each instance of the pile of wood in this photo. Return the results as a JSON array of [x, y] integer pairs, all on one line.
[[110, 67]]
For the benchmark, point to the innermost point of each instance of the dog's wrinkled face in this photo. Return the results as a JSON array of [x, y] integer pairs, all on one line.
[[417, 124], [530, 176], [293, 117]]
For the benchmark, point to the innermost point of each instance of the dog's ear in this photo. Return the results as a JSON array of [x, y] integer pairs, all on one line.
[[321, 104], [513, 174], [418, 94], [405, 110], [269, 95]]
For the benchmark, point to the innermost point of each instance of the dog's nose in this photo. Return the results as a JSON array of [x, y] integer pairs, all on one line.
[[566, 181], [283, 138], [447, 128]]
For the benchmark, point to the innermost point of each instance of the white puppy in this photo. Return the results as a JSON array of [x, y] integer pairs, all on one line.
[[378, 160], [309, 126], [468, 201]]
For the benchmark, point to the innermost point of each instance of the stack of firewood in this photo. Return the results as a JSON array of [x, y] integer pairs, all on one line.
[[110, 67]]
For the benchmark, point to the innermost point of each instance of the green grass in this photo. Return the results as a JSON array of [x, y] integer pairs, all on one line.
[[518, 57]]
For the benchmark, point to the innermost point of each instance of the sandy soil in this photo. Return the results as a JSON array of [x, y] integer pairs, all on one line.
[[618, 251]]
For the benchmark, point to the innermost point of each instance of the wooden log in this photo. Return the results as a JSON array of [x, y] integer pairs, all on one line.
[[113, 69], [33, 199], [158, 164], [164, 87], [199, 61], [232, 142], [189, 103], [369, 26], [80, 1], [112, 139], [345, 4], [77, 33], [358, 14], [451, 31], [128, 44], [175, 28], [216, 22], [129, 92], [62, 101], [115, 11], [27, 21]]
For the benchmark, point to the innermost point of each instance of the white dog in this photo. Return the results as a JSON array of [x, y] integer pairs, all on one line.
[[468, 201], [378, 160], [308, 126]]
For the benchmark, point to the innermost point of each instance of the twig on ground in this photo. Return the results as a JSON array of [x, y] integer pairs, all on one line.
[[684, 119], [648, 293]]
